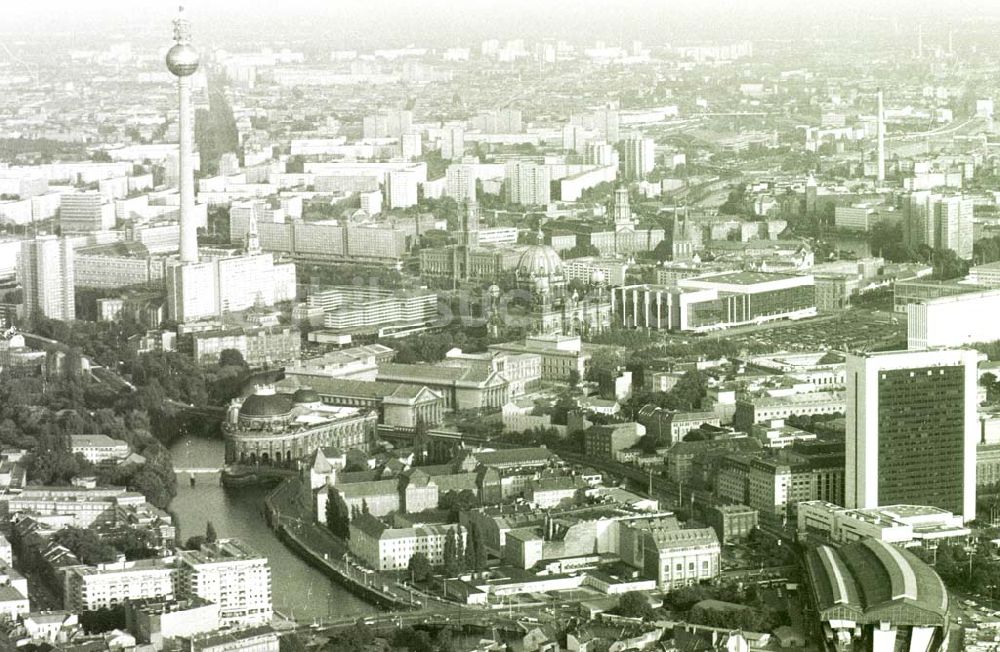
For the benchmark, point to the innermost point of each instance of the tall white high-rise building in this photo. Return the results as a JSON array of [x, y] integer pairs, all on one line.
[[639, 158], [938, 221], [528, 184], [460, 183], [607, 122], [47, 278], [452, 143], [410, 146], [401, 189], [217, 285], [912, 429], [387, 123], [602, 154]]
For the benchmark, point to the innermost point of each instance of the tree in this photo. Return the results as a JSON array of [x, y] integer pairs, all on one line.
[[450, 554], [455, 502], [574, 378], [633, 604], [86, 545], [356, 638], [947, 265], [231, 358], [364, 506], [419, 567], [415, 640], [210, 535], [194, 543], [476, 548]]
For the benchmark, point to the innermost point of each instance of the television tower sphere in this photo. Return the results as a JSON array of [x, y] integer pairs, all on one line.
[[182, 60]]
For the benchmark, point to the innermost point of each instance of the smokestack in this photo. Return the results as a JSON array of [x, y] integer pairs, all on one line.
[[182, 61], [881, 138]]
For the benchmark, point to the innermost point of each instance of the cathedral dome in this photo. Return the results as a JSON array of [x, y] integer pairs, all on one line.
[[539, 261]]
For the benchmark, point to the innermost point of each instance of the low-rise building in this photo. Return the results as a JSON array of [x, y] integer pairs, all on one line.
[[156, 621], [258, 346], [610, 441], [99, 448], [903, 525], [88, 588], [732, 523], [672, 425], [760, 409], [385, 548]]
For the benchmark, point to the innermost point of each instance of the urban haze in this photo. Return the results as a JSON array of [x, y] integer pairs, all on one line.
[[499, 325]]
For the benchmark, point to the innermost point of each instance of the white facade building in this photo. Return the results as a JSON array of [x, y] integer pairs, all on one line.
[[47, 277], [912, 429], [528, 183], [958, 320], [232, 576]]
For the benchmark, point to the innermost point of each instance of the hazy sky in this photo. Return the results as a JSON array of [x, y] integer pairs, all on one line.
[[364, 23]]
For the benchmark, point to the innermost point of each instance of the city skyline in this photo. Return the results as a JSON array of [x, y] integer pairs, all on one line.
[[499, 326]]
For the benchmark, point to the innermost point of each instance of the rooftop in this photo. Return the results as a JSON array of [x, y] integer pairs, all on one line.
[[744, 277], [876, 582]]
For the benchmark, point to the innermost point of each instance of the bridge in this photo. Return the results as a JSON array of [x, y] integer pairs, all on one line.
[[197, 470]]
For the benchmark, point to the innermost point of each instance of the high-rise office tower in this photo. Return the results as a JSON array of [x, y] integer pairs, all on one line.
[[639, 158], [912, 429], [182, 62], [938, 221], [47, 278]]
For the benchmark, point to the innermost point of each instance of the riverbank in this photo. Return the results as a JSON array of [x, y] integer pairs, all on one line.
[[298, 589], [320, 549]]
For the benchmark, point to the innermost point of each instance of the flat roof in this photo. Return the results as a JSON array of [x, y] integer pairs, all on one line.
[[744, 277]]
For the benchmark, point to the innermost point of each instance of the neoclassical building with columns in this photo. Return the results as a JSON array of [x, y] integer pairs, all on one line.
[[276, 429]]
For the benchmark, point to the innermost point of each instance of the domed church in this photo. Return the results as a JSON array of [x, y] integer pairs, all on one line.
[[553, 309], [539, 269]]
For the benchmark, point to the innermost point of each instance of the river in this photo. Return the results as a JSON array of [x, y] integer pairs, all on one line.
[[298, 590]]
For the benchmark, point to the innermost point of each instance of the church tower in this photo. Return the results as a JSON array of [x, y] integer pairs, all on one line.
[[621, 212]]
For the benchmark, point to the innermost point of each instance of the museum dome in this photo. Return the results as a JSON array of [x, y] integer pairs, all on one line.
[[539, 261], [305, 395], [263, 405]]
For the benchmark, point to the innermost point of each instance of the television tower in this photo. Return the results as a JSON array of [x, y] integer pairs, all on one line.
[[182, 61], [881, 138]]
